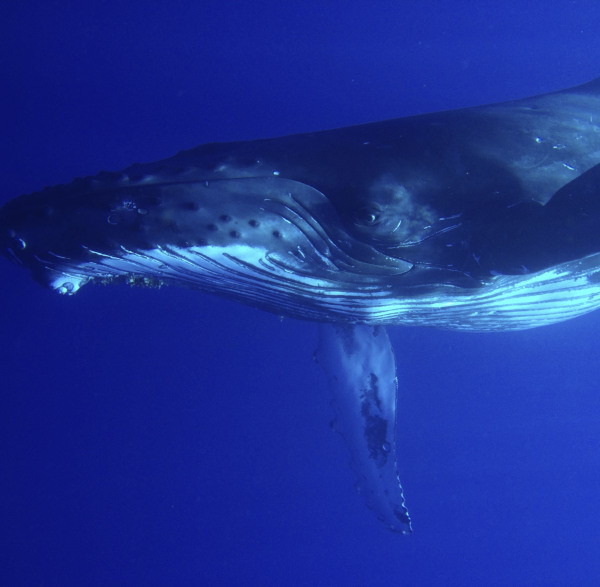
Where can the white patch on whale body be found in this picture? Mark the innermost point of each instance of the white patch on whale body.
(255, 276)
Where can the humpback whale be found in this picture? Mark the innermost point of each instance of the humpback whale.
(481, 219)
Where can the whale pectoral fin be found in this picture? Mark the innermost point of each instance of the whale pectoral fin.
(359, 362)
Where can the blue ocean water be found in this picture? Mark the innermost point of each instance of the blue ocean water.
(165, 437)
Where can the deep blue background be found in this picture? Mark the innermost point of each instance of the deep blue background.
(169, 438)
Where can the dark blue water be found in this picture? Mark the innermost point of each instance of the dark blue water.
(169, 438)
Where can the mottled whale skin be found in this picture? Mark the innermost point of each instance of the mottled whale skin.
(485, 218)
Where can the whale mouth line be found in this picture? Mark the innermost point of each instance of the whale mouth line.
(329, 245)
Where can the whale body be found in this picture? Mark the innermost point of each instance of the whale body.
(483, 219)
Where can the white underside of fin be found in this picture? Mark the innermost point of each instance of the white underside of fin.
(360, 365)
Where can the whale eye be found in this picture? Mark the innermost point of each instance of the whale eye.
(367, 215)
